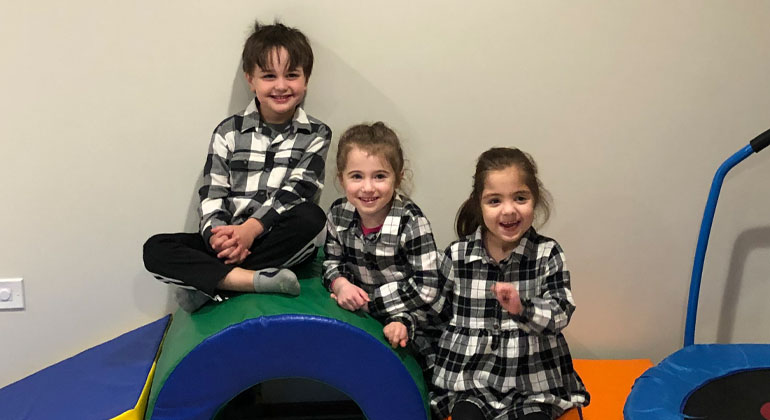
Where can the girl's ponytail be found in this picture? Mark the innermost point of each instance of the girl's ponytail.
(468, 218)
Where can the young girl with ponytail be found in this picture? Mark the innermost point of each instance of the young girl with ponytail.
(507, 289)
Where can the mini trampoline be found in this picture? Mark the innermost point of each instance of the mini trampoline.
(707, 381)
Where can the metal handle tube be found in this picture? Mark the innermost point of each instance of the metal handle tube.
(703, 238)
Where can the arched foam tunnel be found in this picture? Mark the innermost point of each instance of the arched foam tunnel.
(211, 356)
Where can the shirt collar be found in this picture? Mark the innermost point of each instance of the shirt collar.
(476, 250)
(392, 221)
(253, 122)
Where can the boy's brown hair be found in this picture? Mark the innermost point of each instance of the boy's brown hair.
(266, 38)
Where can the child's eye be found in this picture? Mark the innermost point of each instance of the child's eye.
(381, 176)
(493, 201)
(293, 75)
(355, 176)
(521, 198)
(268, 76)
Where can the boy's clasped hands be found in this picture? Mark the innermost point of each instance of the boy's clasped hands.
(232, 242)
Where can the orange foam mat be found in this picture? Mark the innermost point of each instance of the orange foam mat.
(609, 383)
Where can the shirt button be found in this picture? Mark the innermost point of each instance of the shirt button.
(496, 326)
(250, 211)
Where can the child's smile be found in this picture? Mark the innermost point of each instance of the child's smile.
(509, 225)
(368, 200)
(281, 98)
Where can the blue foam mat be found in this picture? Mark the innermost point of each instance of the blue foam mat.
(99, 383)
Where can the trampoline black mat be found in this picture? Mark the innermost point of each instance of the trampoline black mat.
(738, 396)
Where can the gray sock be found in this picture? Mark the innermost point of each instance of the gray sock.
(274, 280)
(190, 299)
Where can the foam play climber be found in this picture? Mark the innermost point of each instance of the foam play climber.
(212, 355)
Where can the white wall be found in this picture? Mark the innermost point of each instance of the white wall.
(628, 107)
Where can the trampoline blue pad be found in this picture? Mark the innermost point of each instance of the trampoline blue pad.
(662, 391)
(99, 383)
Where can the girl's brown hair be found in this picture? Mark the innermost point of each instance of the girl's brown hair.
(469, 217)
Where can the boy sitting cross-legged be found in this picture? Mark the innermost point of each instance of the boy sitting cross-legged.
(263, 174)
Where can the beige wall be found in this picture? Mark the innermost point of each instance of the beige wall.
(628, 107)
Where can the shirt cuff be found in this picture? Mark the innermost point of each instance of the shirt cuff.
(527, 311)
(331, 285)
(268, 218)
(334, 276)
(377, 306)
(206, 234)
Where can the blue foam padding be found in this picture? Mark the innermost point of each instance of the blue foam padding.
(661, 392)
(99, 383)
(286, 346)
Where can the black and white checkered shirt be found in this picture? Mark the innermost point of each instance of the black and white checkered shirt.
(254, 171)
(396, 266)
(508, 365)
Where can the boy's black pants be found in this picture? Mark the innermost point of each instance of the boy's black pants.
(185, 259)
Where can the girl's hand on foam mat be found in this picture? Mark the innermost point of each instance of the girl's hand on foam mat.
(396, 334)
(348, 295)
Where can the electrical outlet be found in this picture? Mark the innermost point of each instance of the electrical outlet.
(12, 293)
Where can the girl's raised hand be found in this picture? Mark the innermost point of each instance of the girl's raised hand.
(396, 334)
(508, 297)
